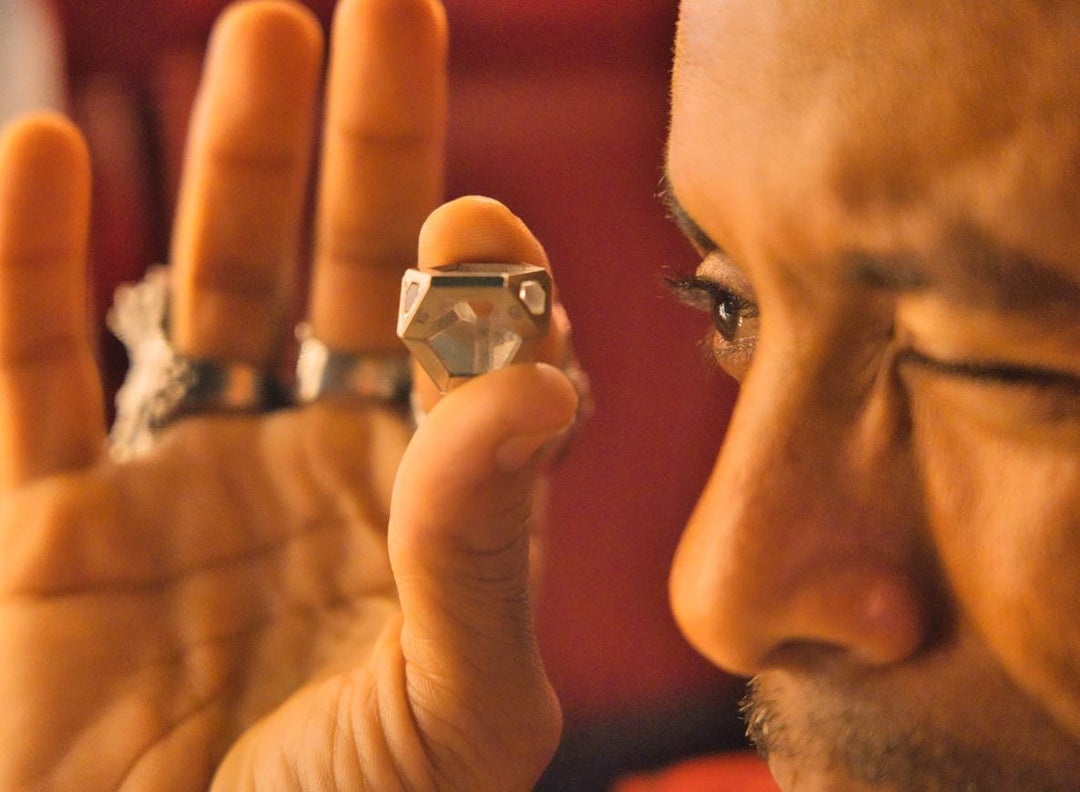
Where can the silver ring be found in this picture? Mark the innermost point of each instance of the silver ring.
(208, 386)
(462, 320)
(321, 371)
(162, 385)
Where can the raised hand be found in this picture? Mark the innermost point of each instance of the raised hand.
(288, 601)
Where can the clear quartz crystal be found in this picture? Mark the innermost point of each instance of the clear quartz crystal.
(462, 320)
(473, 338)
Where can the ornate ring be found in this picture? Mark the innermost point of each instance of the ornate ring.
(162, 385)
(462, 320)
(322, 371)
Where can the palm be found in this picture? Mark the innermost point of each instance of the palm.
(154, 610)
(242, 607)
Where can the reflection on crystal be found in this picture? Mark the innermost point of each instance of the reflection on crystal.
(468, 341)
(410, 296)
(533, 295)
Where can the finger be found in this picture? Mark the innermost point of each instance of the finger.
(382, 169)
(459, 547)
(240, 209)
(51, 416)
(480, 230)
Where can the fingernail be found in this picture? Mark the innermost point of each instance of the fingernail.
(518, 452)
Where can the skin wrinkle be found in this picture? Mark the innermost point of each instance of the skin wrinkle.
(181, 654)
(155, 742)
(172, 578)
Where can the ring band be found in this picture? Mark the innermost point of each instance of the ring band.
(321, 371)
(221, 386)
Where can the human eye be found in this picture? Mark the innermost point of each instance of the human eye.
(734, 318)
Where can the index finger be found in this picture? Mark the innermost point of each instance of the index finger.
(382, 166)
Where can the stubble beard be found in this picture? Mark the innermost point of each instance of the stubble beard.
(854, 741)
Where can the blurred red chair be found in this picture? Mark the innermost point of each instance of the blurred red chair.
(737, 772)
(558, 107)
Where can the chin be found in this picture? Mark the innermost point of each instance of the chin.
(792, 776)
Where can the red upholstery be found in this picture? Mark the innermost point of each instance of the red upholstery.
(559, 109)
(736, 773)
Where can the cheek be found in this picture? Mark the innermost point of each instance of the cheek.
(1005, 515)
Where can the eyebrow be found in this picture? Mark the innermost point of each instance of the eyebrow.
(986, 272)
(677, 213)
(983, 272)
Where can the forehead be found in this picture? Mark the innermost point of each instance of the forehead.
(881, 122)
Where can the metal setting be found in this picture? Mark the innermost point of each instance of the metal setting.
(201, 386)
(322, 371)
(462, 320)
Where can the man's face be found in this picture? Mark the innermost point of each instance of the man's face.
(888, 197)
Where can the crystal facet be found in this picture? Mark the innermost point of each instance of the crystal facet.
(533, 296)
(465, 319)
(412, 293)
(472, 343)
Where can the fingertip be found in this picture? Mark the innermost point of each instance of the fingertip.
(274, 19)
(540, 448)
(477, 229)
(489, 426)
(270, 36)
(413, 20)
(393, 53)
(42, 144)
(44, 187)
(259, 86)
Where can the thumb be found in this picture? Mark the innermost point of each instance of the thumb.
(459, 547)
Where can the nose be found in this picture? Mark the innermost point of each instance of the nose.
(808, 535)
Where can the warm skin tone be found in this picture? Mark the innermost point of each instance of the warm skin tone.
(890, 540)
(233, 611)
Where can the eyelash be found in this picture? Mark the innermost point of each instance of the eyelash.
(730, 310)
(727, 309)
(1005, 375)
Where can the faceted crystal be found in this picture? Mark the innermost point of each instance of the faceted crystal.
(466, 319)
(469, 342)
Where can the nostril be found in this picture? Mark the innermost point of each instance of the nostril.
(874, 611)
(870, 612)
(800, 653)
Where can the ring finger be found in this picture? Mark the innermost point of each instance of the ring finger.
(237, 232)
